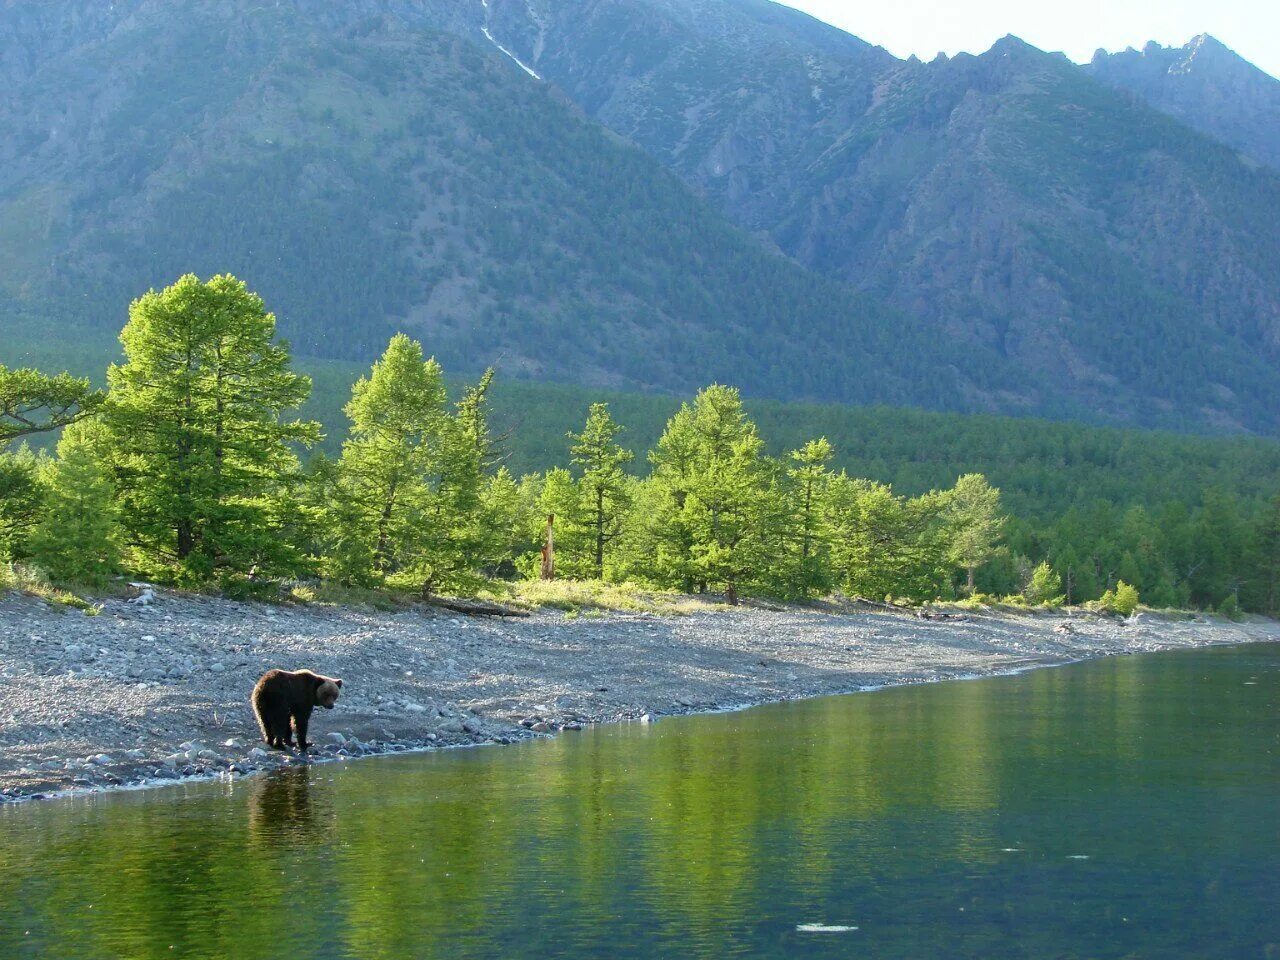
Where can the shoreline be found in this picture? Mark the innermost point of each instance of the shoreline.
(143, 697)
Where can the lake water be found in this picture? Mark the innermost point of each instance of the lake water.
(1122, 808)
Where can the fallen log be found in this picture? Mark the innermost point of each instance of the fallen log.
(476, 608)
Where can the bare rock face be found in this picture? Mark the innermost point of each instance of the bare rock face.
(1207, 86)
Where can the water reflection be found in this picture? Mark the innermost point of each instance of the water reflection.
(282, 812)
(941, 821)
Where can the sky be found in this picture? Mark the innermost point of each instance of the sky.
(1076, 27)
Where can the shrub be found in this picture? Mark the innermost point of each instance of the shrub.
(1230, 607)
(1123, 600)
(1044, 588)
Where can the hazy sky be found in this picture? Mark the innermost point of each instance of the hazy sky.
(1076, 27)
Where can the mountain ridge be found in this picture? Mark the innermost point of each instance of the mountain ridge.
(1046, 244)
(1208, 86)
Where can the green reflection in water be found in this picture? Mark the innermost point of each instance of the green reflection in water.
(941, 820)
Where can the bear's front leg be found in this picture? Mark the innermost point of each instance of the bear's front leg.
(300, 725)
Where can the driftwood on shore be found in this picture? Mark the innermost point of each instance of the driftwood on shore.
(922, 613)
(475, 608)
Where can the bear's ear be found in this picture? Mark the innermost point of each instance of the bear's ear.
(339, 683)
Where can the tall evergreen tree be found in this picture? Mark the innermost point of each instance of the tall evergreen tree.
(660, 545)
(21, 501)
(391, 464)
(726, 485)
(1268, 563)
(976, 523)
(808, 504)
(78, 538)
(603, 484)
(197, 428)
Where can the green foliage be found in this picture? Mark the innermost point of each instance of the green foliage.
(976, 523)
(1230, 608)
(714, 510)
(805, 495)
(32, 402)
(391, 467)
(1044, 588)
(1123, 600)
(887, 545)
(710, 487)
(196, 433)
(411, 501)
(77, 541)
(603, 486)
(21, 501)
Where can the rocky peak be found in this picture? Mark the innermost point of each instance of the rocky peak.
(1206, 85)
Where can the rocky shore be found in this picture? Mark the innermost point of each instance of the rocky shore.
(151, 693)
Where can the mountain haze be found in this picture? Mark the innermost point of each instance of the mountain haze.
(1207, 86)
(645, 194)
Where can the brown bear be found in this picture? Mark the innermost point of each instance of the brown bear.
(283, 695)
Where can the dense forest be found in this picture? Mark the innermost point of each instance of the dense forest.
(195, 467)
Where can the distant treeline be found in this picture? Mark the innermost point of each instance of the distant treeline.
(191, 469)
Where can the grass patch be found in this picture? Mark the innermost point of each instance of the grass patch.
(33, 583)
(593, 598)
(326, 593)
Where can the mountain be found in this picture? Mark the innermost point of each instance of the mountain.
(1010, 199)
(645, 194)
(1207, 86)
(366, 170)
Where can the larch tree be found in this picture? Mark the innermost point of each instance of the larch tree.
(603, 485)
(808, 497)
(391, 464)
(78, 538)
(33, 402)
(197, 429)
(659, 542)
(725, 495)
(976, 524)
(21, 501)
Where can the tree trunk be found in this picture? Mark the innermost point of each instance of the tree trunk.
(600, 534)
(186, 539)
(731, 594)
(970, 585)
(549, 551)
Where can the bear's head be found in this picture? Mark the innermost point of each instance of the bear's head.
(327, 689)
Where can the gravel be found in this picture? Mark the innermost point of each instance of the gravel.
(152, 693)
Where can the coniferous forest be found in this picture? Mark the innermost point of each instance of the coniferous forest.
(194, 467)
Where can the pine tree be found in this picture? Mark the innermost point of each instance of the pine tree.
(78, 539)
(603, 485)
(1044, 586)
(196, 429)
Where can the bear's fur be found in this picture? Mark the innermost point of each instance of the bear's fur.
(282, 696)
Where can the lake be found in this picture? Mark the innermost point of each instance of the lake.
(1127, 807)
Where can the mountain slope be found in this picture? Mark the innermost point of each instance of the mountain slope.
(1010, 199)
(1205, 85)
(366, 172)
(1046, 244)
